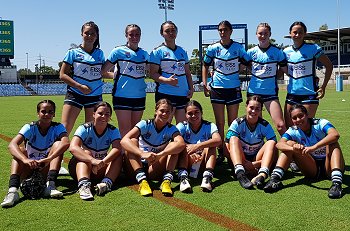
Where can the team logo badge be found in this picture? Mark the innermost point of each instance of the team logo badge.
(127, 54)
(218, 52)
(89, 140)
(166, 54)
(84, 71)
(147, 135)
(80, 56)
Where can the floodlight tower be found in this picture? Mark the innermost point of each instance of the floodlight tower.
(166, 5)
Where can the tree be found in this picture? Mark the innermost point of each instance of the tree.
(23, 71)
(195, 66)
(323, 27)
(48, 70)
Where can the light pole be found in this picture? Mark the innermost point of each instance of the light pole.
(27, 62)
(166, 5)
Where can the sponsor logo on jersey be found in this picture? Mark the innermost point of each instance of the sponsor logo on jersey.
(95, 71)
(84, 71)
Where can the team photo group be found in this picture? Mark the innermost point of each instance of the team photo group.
(154, 149)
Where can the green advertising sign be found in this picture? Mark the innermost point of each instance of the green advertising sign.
(6, 39)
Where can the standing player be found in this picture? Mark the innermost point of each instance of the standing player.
(245, 142)
(129, 92)
(201, 139)
(169, 67)
(81, 71)
(265, 60)
(313, 144)
(303, 83)
(44, 142)
(224, 89)
(152, 149)
(92, 158)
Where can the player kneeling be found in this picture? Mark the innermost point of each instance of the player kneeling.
(44, 142)
(92, 160)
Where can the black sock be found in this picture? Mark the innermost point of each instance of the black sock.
(14, 181)
(52, 175)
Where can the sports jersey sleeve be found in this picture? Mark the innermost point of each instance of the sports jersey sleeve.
(288, 135)
(113, 56)
(60, 130)
(269, 133)
(25, 131)
(325, 125)
(209, 55)
(69, 57)
(232, 131)
(115, 135)
(173, 130)
(318, 52)
(243, 57)
(213, 128)
(155, 58)
(182, 129)
(142, 126)
(81, 132)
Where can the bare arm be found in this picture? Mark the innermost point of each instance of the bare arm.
(154, 73)
(63, 145)
(106, 70)
(18, 154)
(114, 152)
(331, 137)
(206, 88)
(327, 76)
(174, 147)
(189, 80)
(127, 143)
(64, 76)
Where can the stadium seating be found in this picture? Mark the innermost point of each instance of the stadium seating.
(12, 89)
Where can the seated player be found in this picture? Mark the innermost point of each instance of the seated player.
(152, 149)
(44, 142)
(313, 145)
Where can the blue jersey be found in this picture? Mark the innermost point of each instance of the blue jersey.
(226, 61)
(38, 145)
(204, 133)
(251, 139)
(171, 62)
(302, 68)
(319, 130)
(130, 70)
(153, 140)
(97, 144)
(86, 69)
(265, 62)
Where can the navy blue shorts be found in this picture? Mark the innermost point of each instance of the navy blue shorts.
(265, 98)
(132, 104)
(178, 102)
(80, 101)
(227, 96)
(301, 99)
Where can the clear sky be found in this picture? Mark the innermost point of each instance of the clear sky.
(47, 28)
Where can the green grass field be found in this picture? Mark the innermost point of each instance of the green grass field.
(301, 205)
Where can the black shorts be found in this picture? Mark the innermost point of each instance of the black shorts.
(265, 98)
(80, 101)
(178, 102)
(227, 96)
(301, 99)
(321, 168)
(132, 104)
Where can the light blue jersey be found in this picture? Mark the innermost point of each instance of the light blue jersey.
(38, 145)
(86, 69)
(251, 140)
(171, 62)
(97, 144)
(302, 68)
(205, 132)
(226, 61)
(265, 62)
(153, 140)
(319, 130)
(130, 71)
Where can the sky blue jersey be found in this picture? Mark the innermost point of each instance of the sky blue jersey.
(205, 132)
(38, 145)
(86, 69)
(153, 140)
(130, 71)
(265, 63)
(226, 61)
(251, 139)
(171, 62)
(302, 68)
(319, 130)
(97, 144)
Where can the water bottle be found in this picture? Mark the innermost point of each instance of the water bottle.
(197, 165)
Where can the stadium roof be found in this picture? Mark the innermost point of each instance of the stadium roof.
(328, 35)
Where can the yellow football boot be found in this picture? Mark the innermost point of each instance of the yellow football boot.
(166, 188)
(144, 188)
